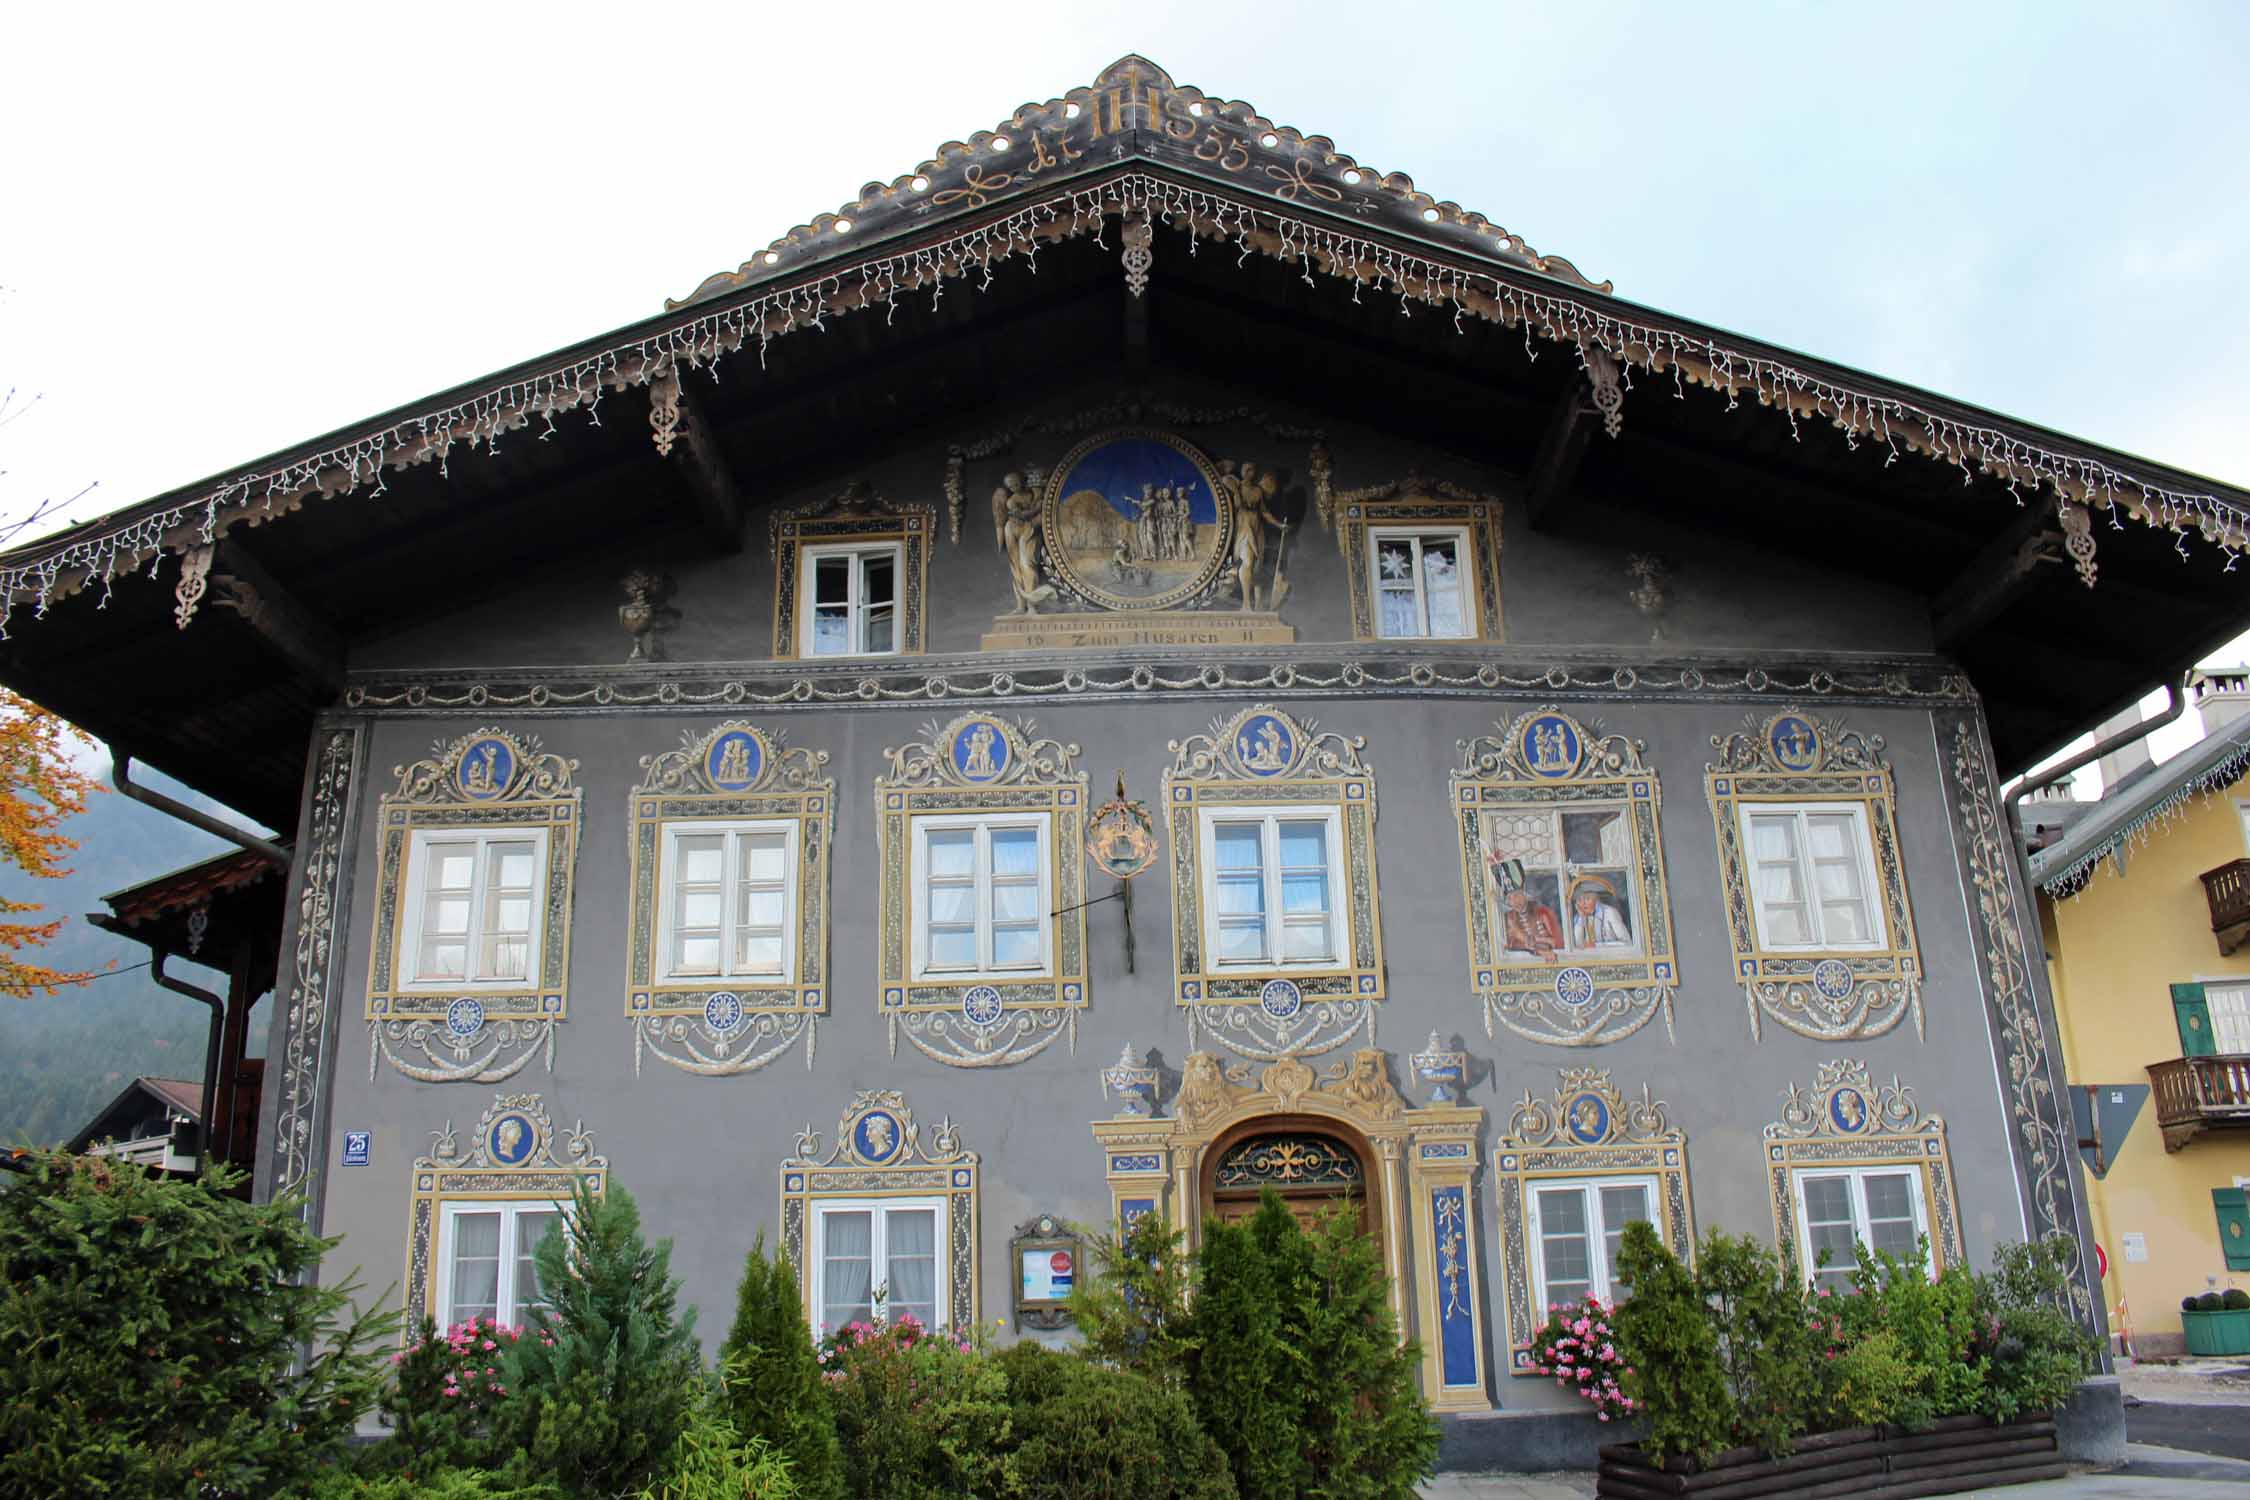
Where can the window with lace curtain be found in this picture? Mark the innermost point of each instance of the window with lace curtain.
(878, 1251)
(485, 1259)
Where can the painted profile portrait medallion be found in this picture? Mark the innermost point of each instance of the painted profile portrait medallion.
(512, 1139)
(1847, 1111)
(876, 1136)
(1793, 742)
(733, 761)
(1265, 745)
(1551, 746)
(979, 750)
(486, 769)
(1136, 519)
(1586, 1118)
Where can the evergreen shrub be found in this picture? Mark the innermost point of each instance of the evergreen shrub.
(1084, 1431)
(2234, 1299)
(2208, 1302)
(920, 1415)
(1768, 1346)
(1132, 1310)
(441, 1395)
(2034, 1353)
(772, 1376)
(1673, 1372)
(439, 1484)
(712, 1460)
(1245, 1378)
(149, 1337)
(1935, 1323)
(604, 1379)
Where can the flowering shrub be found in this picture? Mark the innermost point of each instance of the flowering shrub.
(1579, 1349)
(444, 1388)
(922, 1414)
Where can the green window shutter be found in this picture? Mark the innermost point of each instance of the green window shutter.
(2234, 1226)
(2194, 1020)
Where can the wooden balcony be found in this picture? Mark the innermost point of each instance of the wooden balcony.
(2195, 1094)
(2227, 889)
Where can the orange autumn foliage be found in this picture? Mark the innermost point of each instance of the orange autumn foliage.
(40, 786)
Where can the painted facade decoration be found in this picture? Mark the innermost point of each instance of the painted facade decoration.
(479, 845)
(990, 1008)
(514, 1155)
(1562, 867)
(728, 989)
(1427, 549)
(1847, 1121)
(1229, 1131)
(855, 517)
(879, 1155)
(306, 1008)
(1264, 763)
(1586, 1132)
(1861, 974)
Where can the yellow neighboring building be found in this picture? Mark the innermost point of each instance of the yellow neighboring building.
(2145, 904)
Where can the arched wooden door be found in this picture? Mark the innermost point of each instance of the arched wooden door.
(1311, 1166)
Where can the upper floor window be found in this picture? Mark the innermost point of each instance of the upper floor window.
(980, 895)
(729, 900)
(1844, 1208)
(1812, 875)
(851, 600)
(472, 907)
(1578, 1226)
(1271, 885)
(485, 1260)
(1420, 587)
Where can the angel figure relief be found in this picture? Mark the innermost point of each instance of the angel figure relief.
(1252, 494)
(1015, 528)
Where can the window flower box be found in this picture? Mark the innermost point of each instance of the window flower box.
(2225, 1331)
(1950, 1455)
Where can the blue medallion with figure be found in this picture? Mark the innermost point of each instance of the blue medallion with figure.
(511, 1140)
(1847, 1111)
(1550, 746)
(733, 761)
(1794, 742)
(1586, 1118)
(487, 766)
(1265, 745)
(876, 1136)
(980, 750)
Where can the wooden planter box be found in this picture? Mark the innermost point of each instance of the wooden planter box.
(2226, 1331)
(1866, 1463)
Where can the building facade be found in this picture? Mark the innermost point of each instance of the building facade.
(1369, 754)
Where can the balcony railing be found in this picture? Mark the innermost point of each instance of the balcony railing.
(2195, 1094)
(2227, 889)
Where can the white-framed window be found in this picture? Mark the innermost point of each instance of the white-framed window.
(1576, 1226)
(1272, 888)
(2229, 1008)
(861, 1246)
(473, 905)
(485, 1267)
(980, 895)
(850, 600)
(1841, 1208)
(1812, 875)
(728, 901)
(1419, 582)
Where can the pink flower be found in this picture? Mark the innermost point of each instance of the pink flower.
(1601, 1416)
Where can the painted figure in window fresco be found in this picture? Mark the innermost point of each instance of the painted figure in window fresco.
(1267, 754)
(978, 762)
(1015, 526)
(1252, 494)
(1527, 926)
(1595, 921)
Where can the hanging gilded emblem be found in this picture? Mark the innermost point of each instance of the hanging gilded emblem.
(1121, 837)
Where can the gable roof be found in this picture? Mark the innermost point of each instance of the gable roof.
(176, 1096)
(2132, 810)
(1271, 239)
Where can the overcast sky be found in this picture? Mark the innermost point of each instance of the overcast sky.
(224, 230)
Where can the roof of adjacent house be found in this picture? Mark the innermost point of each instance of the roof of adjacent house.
(2132, 809)
(1241, 249)
(177, 1096)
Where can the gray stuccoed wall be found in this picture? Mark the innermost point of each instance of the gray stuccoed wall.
(702, 1155)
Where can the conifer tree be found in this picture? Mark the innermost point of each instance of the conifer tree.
(1246, 1379)
(1365, 1432)
(603, 1379)
(1132, 1313)
(774, 1390)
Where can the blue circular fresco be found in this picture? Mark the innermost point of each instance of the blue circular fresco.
(1586, 1118)
(487, 766)
(464, 1018)
(1832, 977)
(733, 761)
(876, 1136)
(1265, 745)
(981, 1005)
(979, 750)
(1794, 742)
(1847, 1110)
(1550, 746)
(723, 1012)
(1281, 999)
(511, 1140)
(1574, 987)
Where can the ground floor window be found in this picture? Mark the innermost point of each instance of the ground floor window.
(1577, 1226)
(870, 1250)
(1842, 1209)
(485, 1259)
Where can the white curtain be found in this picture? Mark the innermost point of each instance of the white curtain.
(847, 1247)
(913, 1265)
(476, 1267)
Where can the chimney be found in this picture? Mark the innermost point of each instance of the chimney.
(2124, 762)
(2222, 697)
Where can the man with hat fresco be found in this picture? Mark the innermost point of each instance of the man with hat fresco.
(1527, 926)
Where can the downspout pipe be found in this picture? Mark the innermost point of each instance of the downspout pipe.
(120, 772)
(210, 1051)
(2175, 705)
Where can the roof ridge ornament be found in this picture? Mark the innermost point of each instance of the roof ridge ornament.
(1133, 109)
